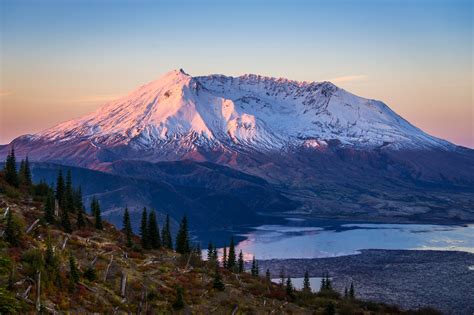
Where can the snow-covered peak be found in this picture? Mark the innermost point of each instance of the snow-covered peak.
(254, 111)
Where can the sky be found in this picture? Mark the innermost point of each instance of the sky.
(62, 59)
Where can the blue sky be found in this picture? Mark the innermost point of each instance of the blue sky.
(414, 55)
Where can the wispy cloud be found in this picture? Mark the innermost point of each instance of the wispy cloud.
(95, 98)
(348, 78)
(5, 93)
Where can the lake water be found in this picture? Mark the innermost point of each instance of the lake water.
(297, 238)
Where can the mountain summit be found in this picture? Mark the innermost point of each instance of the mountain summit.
(221, 146)
(231, 113)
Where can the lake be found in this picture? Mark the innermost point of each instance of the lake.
(299, 238)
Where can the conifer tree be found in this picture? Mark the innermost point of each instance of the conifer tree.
(217, 282)
(49, 208)
(241, 262)
(65, 223)
(306, 283)
(80, 218)
(60, 188)
(97, 215)
(328, 282)
(11, 175)
(24, 173)
(289, 287)
(12, 230)
(153, 231)
(167, 241)
(182, 238)
(323, 283)
(127, 227)
(144, 230)
(215, 256)
(210, 249)
(254, 269)
(268, 277)
(73, 272)
(77, 197)
(352, 291)
(346, 293)
(68, 193)
(224, 257)
(231, 260)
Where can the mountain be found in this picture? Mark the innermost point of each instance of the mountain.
(320, 147)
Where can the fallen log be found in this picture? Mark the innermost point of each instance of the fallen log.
(28, 230)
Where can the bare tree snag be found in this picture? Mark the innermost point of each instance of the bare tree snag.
(32, 226)
(123, 284)
(108, 267)
(38, 291)
(64, 242)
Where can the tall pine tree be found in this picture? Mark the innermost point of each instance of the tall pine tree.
(127, 228)
(167, 240)
(153, 231)
(12, 230)
(60, 188)
(49, 208)
(182, 238)
(95, 207)
(11, 175)
(68, 193)
(306, 283)
(145, 239)
(241, 262)
(231, 260)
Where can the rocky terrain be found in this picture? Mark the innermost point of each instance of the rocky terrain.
(411, 278)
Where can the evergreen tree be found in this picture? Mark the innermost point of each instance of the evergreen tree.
(77, 198)
(127, 227)
(224, 257)
(231, 260)
(210, 249)
(65, 223)
(80, 218)
(217, 282)
(268, 277)
(182, 238)
(60, 188)
(11, 176)
(179, 302)
(352, 291)
(346, 293)
(323, 283)
(25, 172)
(215, 257)
(240, 268)
(153, 231)
(68, 198)
(97, 215)
(144, 230)
(328, 282)
(12, 230)
(254, 269)
(167, 241)
(49, 208)
(289, 288)
(306, 283)
(73, 273)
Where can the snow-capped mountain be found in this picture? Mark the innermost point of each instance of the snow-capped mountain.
(216, 145)
(249, 111)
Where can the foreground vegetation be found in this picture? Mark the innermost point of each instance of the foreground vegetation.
(57, 257)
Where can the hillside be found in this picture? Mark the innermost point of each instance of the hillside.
(97, 270)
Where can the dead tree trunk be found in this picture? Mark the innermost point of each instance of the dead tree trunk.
(56, 208)
(123, 284)
(38, 291)
(108, 267)
(32, 226)
(64, 242)
(6, 212)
